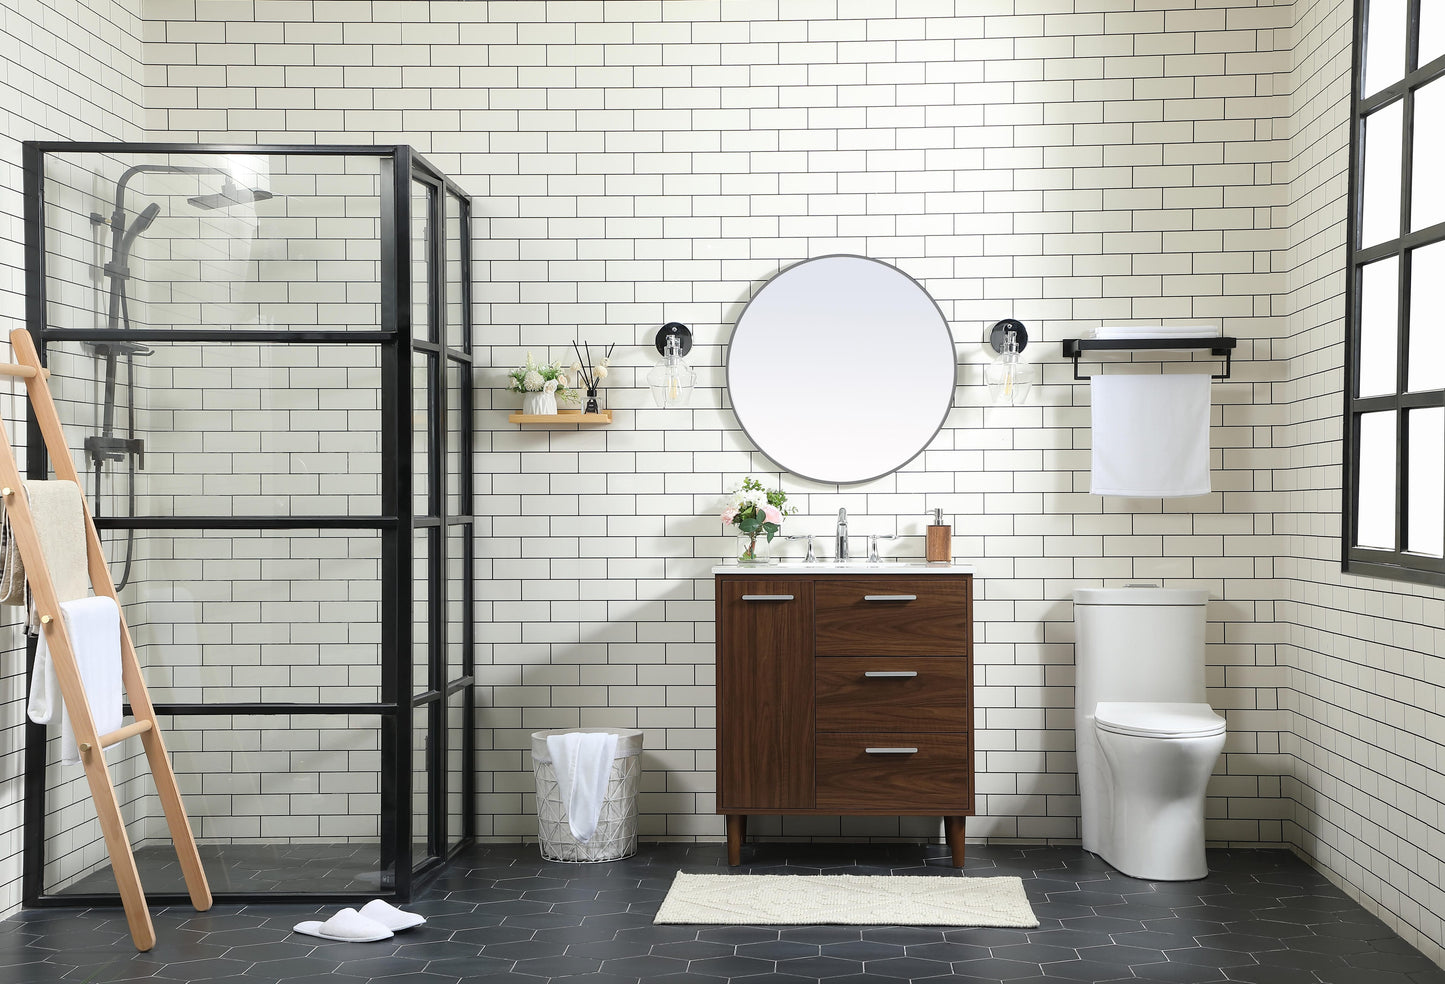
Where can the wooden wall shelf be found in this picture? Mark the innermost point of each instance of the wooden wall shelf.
(605, 417)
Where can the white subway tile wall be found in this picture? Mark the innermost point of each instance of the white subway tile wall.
(636, 163)
(1066, 162)
(72, 71)
(1364, 656)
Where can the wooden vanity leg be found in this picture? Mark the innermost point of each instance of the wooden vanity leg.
(953, 832)
(737, 832)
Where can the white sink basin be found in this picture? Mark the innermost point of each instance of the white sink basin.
(799, 566)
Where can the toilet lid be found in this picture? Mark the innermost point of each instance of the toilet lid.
(1149, 720)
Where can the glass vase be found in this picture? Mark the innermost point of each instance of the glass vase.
(753, 549)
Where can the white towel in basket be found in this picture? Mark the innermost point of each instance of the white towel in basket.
(583, 763)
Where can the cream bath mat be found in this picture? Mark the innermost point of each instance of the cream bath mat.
(855, 900)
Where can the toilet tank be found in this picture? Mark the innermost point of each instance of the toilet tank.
(1139, 643)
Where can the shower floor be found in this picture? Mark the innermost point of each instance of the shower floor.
(309, 868)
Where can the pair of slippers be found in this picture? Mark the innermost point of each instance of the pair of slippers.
(376, 921)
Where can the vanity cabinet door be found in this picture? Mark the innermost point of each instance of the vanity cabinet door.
(765, 694)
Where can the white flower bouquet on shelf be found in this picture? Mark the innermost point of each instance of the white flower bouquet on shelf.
(542, 386)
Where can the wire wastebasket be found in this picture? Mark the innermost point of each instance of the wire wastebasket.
(616, 835)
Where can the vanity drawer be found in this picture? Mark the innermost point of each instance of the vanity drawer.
(894, 771)
(892, 616)
(891, 693)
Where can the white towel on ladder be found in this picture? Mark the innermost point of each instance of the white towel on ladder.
(1150, 434)
(584, 764)
(93, 625)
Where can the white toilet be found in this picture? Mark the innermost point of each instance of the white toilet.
(1147, 741)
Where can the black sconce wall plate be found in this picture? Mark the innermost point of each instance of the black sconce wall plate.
(998, 335)
(678, 330)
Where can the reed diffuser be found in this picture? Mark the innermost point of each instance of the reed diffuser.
(588, 376)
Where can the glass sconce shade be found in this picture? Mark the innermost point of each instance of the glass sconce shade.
(1008, 378)
(672, 380)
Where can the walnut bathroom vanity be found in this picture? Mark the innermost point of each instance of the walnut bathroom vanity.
(844, 690)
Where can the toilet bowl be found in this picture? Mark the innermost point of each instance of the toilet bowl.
(1158, 759)
(1146, 740)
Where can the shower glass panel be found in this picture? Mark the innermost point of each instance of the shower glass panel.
(262, 358)
(273, 799)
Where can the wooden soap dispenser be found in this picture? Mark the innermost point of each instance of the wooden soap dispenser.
(938, 548)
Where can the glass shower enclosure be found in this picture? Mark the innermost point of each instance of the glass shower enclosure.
(262, 357)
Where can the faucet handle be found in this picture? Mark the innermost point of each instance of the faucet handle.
(873, 539)
(812, 557)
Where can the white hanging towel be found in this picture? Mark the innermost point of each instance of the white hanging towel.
(583, 763)
(1150, 434)
(93, 625)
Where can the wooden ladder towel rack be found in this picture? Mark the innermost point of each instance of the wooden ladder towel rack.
(27, 367)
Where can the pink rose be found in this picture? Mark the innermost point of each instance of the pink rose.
(771, 514)
(729, 514)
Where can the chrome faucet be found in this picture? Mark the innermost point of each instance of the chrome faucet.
(841, 554)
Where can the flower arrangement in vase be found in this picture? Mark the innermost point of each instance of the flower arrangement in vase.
(588, 376)
(541, 386)
(755, 511)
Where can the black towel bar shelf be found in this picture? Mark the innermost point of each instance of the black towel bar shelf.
(1216, 344)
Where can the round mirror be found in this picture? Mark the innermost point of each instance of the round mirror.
(841, 369)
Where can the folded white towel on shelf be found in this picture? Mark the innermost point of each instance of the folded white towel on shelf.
(93, 625)
(1150, 434)
(584, 763)
(1157, 331)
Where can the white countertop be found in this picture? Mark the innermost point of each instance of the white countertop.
(851, 567)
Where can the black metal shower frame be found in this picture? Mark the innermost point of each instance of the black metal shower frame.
(397, 339)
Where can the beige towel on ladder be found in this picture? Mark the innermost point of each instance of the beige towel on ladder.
(59, 514)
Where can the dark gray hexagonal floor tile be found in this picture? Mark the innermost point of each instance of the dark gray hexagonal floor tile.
(565, 965)
(949, 952)
(908, 968)
(777, 949)
(820, 935)
(903, 935)
(736, 935)
(692, 949)
(1165, 972)
(644, 967)
(729, 967)
(1204, 956)
(995, 968)
(492, 935)
(818, 968)
(614, 949)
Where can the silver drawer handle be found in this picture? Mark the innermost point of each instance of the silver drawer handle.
(890, 597)
(891, 751)
(890, 674)
(767, 597)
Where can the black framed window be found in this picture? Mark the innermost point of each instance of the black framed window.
(1394, 480)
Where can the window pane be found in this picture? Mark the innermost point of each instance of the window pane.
(421, 326)
(1427, 196)
(1379, 326)
(1432, 31)
(1380, 216)
(1376, 524)
(1384, 44)
(1427, 334)
(1427, 481)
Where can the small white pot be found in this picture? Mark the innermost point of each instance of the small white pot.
(543, 404)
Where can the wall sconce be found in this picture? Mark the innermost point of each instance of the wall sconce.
(671, 381)
(1009, 379)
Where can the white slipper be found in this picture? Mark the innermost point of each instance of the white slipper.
(347, 926)
(391, 917)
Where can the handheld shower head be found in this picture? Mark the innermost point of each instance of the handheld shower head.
(230, 194)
